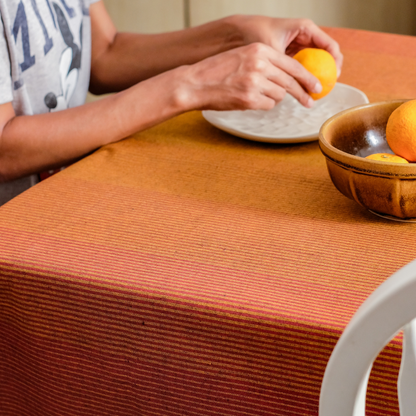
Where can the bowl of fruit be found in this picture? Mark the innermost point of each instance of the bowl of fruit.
(370, 152)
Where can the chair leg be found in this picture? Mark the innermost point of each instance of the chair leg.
(406, 385)
(359, 408)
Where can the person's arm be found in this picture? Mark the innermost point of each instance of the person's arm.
(30, 144)
(120, 60)
(250, 77)
(255, 76)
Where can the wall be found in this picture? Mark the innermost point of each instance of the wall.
(395, 16)
(149, 16)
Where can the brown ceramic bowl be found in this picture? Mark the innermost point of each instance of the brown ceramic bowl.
(385, 188)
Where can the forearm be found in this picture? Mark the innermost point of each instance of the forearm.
(131, 58)
(30, 144)
(255, 76)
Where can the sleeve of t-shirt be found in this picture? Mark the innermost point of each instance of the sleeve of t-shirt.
(6, 92)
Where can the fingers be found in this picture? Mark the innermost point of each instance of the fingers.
(279, 83)
(275, 89)
(293, 78)
(322, 40)
(276, 74)
(277, 93)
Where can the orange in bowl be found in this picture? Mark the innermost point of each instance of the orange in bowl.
(321, 64)
(386, 157)
(401, 131)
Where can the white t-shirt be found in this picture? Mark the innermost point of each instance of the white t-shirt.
(45, 55)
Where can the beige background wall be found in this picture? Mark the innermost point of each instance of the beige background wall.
(396, 16)
(149, 16)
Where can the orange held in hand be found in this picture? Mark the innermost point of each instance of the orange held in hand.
(321, 64)
(401, 131)
(387, 157)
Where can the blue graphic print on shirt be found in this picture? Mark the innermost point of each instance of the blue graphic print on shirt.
(72, 56)
(45, 51)
(21, 24)
(59, 12)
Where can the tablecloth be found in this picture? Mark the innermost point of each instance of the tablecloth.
(185, 271)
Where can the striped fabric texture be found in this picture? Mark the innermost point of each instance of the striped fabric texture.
(184, 271)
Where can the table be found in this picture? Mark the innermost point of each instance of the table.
(184, 271)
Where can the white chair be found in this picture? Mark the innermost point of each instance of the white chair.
(389, 309)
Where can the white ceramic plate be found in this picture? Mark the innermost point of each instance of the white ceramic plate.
(289, 121)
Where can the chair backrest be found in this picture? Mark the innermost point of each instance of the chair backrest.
(390, 308)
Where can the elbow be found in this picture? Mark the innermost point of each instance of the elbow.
(3, 176)
(6, 174)
(96, 87)
(99, 85)
(12, 169)
(8, 164)
(9, 167)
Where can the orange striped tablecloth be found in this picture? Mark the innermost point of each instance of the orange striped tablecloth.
(185, 271)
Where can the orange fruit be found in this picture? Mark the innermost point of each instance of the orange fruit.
(401, 131)
(321, 64)
(387, 157)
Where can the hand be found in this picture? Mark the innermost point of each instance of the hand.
(255, 76)
(286, 35)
